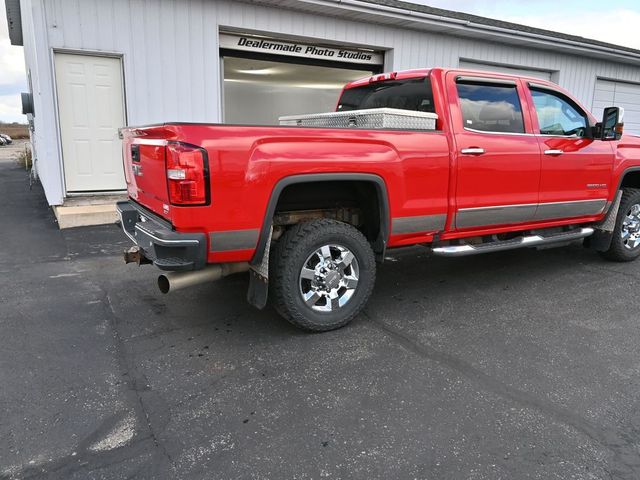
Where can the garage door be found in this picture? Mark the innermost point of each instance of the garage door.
(609, 93)
(545, 75)
(90, 109)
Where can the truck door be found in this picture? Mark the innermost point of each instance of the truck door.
(576, 170)
(497, 155)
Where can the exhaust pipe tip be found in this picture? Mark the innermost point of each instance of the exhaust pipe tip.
(164, 284)
(171, 281)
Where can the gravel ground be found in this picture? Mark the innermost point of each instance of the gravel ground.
(518, 365)
(8, 153)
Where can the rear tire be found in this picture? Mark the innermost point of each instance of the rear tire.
(322, 273)
(625, 243)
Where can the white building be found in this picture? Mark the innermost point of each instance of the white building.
(96, 65)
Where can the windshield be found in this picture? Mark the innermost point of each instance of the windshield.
(411, 94)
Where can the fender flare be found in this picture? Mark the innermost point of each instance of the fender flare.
(624, 174)
(380, 243)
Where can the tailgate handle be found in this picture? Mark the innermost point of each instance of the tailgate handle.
(135, 153)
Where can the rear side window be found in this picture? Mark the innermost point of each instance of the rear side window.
(411, 94)
(491, 107)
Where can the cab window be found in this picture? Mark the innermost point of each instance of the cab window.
(557, 115)
(490, 107)
(410, 94)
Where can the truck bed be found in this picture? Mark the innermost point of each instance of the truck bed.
(245, 163)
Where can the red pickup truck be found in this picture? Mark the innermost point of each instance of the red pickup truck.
(511, 162)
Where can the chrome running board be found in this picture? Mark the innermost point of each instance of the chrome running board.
(519, 242)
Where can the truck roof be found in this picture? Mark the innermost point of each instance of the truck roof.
(424, 72)
(402, 74)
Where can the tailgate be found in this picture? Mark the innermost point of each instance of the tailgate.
(162, 171)
(144, 161)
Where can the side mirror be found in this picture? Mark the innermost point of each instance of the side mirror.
(612, 126)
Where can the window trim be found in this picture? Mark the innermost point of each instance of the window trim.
(425, 80)
(466, 80)
(541, 86)
(548, 89)
(473, 130)
(491, 82)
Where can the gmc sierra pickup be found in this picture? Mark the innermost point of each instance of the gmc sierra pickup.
(508, 162)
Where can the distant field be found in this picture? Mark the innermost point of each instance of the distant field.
(14, 130)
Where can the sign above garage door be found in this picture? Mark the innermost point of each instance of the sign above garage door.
(508, 69)
(250, 43)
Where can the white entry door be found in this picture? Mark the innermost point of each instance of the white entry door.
(90, 109)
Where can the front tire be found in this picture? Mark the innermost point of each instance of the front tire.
(322, 273)
(625, 243)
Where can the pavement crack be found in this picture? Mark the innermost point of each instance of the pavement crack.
(624, 453)
(82, 459)
(150, 409)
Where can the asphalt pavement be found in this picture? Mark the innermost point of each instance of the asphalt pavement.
(517, 365)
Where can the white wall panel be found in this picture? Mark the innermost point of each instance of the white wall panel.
(619, 94)
(513, 70)
(171, 46)
(170, 51)
(39, 63)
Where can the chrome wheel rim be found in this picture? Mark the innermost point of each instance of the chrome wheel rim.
(329, 278)
(630, 231)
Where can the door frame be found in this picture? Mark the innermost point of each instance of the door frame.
(458, 127)
(58, 129)
(576, 207)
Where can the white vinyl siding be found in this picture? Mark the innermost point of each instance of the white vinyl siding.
(609, 93)
(172, 69)
(545, 75)
(171, 58)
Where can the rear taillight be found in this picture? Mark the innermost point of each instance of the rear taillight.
(187, 174)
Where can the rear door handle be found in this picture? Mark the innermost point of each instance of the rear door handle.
(472, 151)
(553, 152)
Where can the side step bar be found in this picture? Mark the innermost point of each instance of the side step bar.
(520, 242)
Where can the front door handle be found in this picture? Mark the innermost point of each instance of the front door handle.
(472, 151)
(553, 152)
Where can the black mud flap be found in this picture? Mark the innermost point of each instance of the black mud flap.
(258, 292)
(600, 241)
(259, 278)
